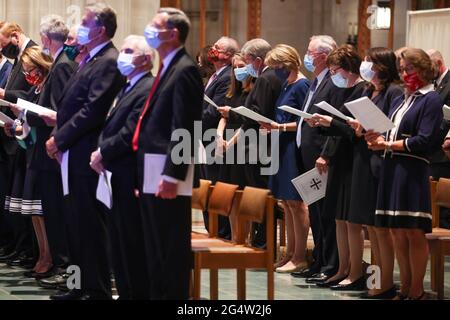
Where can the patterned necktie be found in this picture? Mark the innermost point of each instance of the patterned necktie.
(145, 110)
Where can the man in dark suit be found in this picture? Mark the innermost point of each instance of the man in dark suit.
(83, 108)
(221, 55)
(53, 35)
(173, 106)
(310, 144)
(116, 154)
(440, 163)
(5, 70)
(13, 42)
(262, 99)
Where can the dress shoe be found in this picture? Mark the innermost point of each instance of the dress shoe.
(358, 285)
(308, 273)
(387, 295)
(67, 296)
(44, 275)
(91, 297)
(292, 268)
(53, 282)
(318, 278)
(328, 284)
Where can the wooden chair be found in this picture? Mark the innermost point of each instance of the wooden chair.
(200, 197)
(249, 206)
(439, 239)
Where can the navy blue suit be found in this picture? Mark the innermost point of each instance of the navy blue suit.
(5, 71)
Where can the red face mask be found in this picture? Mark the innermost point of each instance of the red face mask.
(33, 79)
(413, 82)
(213, 55)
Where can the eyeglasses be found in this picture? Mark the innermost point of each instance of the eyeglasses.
(334, 71)
(28, 73)
(407, 69)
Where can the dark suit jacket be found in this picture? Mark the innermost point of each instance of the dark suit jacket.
(16, 87)
(312, 139)
(177, 104)
(117, 135)
(63, 68)
(4, 73)
(83, 107)
(444, 92)
(217, 91)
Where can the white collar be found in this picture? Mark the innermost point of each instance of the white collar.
(2, 62)
(136, 78)
(426, 89)
(97, 49)
(322, 75)
(218, 72)
(24, 46)
(58, 53)
(168, 59)
(439, 81)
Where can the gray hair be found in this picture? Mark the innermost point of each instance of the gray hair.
(258, 48)
(179, 20)
(140, 44)
(54, 28)
(326, 44)
(435, 55)
(230, 45)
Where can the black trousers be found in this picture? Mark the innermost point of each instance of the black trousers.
(167, 230)
(53, 207)
(314, 219)
(87, 235)
(127, 240)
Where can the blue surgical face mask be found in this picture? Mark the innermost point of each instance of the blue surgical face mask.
(366, 71)
(252, 71)
(152, 37)
(309, 63)
(125, 64)
(339, 81)
(83, 35)
(241, 74)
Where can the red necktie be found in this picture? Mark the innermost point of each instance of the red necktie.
(144, 112)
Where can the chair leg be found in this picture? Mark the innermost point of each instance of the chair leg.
(439, 277)
(282, 233)
(241, 285)
(197, 278)
(214, 284)
(433, 268)
(270, 284)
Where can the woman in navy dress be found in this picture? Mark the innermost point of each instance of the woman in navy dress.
(285, 60)
(404, 203)
(380, 69)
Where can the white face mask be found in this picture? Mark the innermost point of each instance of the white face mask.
(366, 71)
(83, 35)
(125, 64)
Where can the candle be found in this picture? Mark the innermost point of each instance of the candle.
(350, 29)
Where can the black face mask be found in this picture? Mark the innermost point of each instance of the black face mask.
(11, 51)
(71, 51)
(282, 74)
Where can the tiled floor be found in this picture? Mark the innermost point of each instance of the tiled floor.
(14, 287)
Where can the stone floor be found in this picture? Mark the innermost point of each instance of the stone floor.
(14, 287)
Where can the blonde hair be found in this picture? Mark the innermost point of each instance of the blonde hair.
(36, 57)
(285, 55)
(8, 28)
(235, 85)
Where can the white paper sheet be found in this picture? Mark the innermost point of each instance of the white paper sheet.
(243, 111)
(65, 172)
(104, 189)
(2, 124)
(296, 112)
(209, 100)
(311, 186)
(369, 115)
(4, 103)
(330, 109)
(446, 110)
(4, 118)
(35, 108)
(153, 168)
(202, 158)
